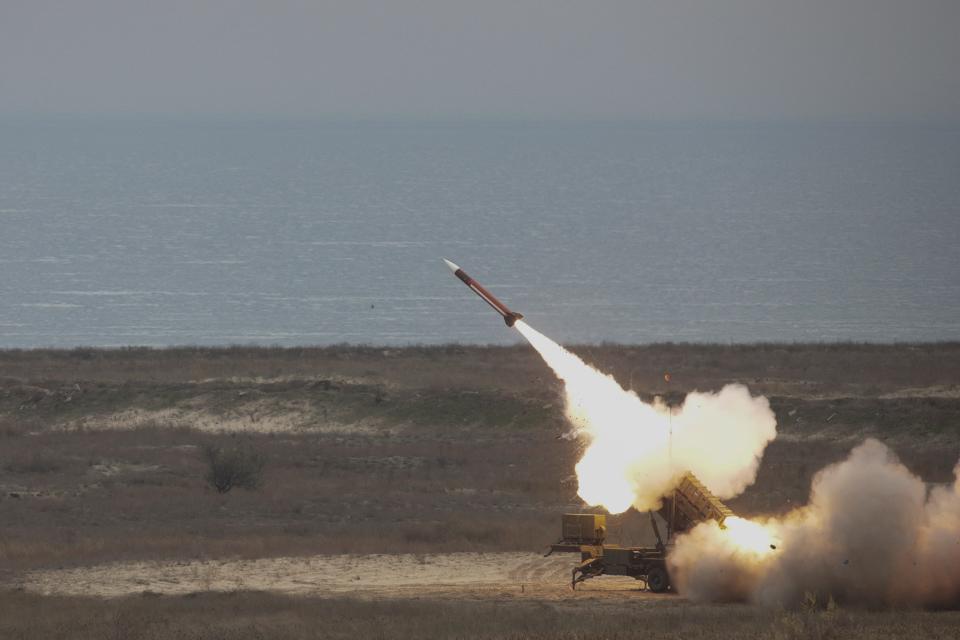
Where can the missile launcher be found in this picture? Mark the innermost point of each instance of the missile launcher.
(585, 533)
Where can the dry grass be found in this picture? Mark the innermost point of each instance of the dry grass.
(828, 366)
(419, 450)
(458, 450)
(257, 615)
(142, 494)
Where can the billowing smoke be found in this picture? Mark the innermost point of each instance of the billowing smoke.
(637, 451)
(870, 535)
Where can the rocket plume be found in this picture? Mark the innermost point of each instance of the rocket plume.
(870, 535)
(636, 452)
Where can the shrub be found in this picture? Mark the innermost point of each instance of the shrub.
(234, 467)
(37, 463)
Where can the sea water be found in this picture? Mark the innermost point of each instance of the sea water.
(169, 232)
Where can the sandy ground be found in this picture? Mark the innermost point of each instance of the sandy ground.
(454, 575)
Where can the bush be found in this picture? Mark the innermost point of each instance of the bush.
(37, 463)
(235, 467)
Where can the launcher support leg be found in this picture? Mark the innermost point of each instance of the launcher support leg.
(587, 569)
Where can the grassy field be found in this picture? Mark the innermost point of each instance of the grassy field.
(400, 450)
(258, 616)
(421, 450)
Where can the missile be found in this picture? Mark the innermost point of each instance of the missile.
(509, 317)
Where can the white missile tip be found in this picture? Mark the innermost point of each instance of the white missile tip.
(453, 267)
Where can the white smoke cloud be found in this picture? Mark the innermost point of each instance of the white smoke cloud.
(637, 451)
(870, 535)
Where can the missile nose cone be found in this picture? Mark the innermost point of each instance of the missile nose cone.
(453, 267)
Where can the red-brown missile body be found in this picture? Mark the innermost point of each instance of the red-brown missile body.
(509, 317)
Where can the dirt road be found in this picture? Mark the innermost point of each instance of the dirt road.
(454, 575)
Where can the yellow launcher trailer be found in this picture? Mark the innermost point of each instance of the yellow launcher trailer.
(584, 533)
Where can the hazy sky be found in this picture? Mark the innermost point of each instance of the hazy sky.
(836, 59)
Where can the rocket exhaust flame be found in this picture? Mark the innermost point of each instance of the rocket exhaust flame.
(636, 451)
(750, 537)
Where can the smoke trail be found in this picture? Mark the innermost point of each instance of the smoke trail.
(870, 535)
(637, 451)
